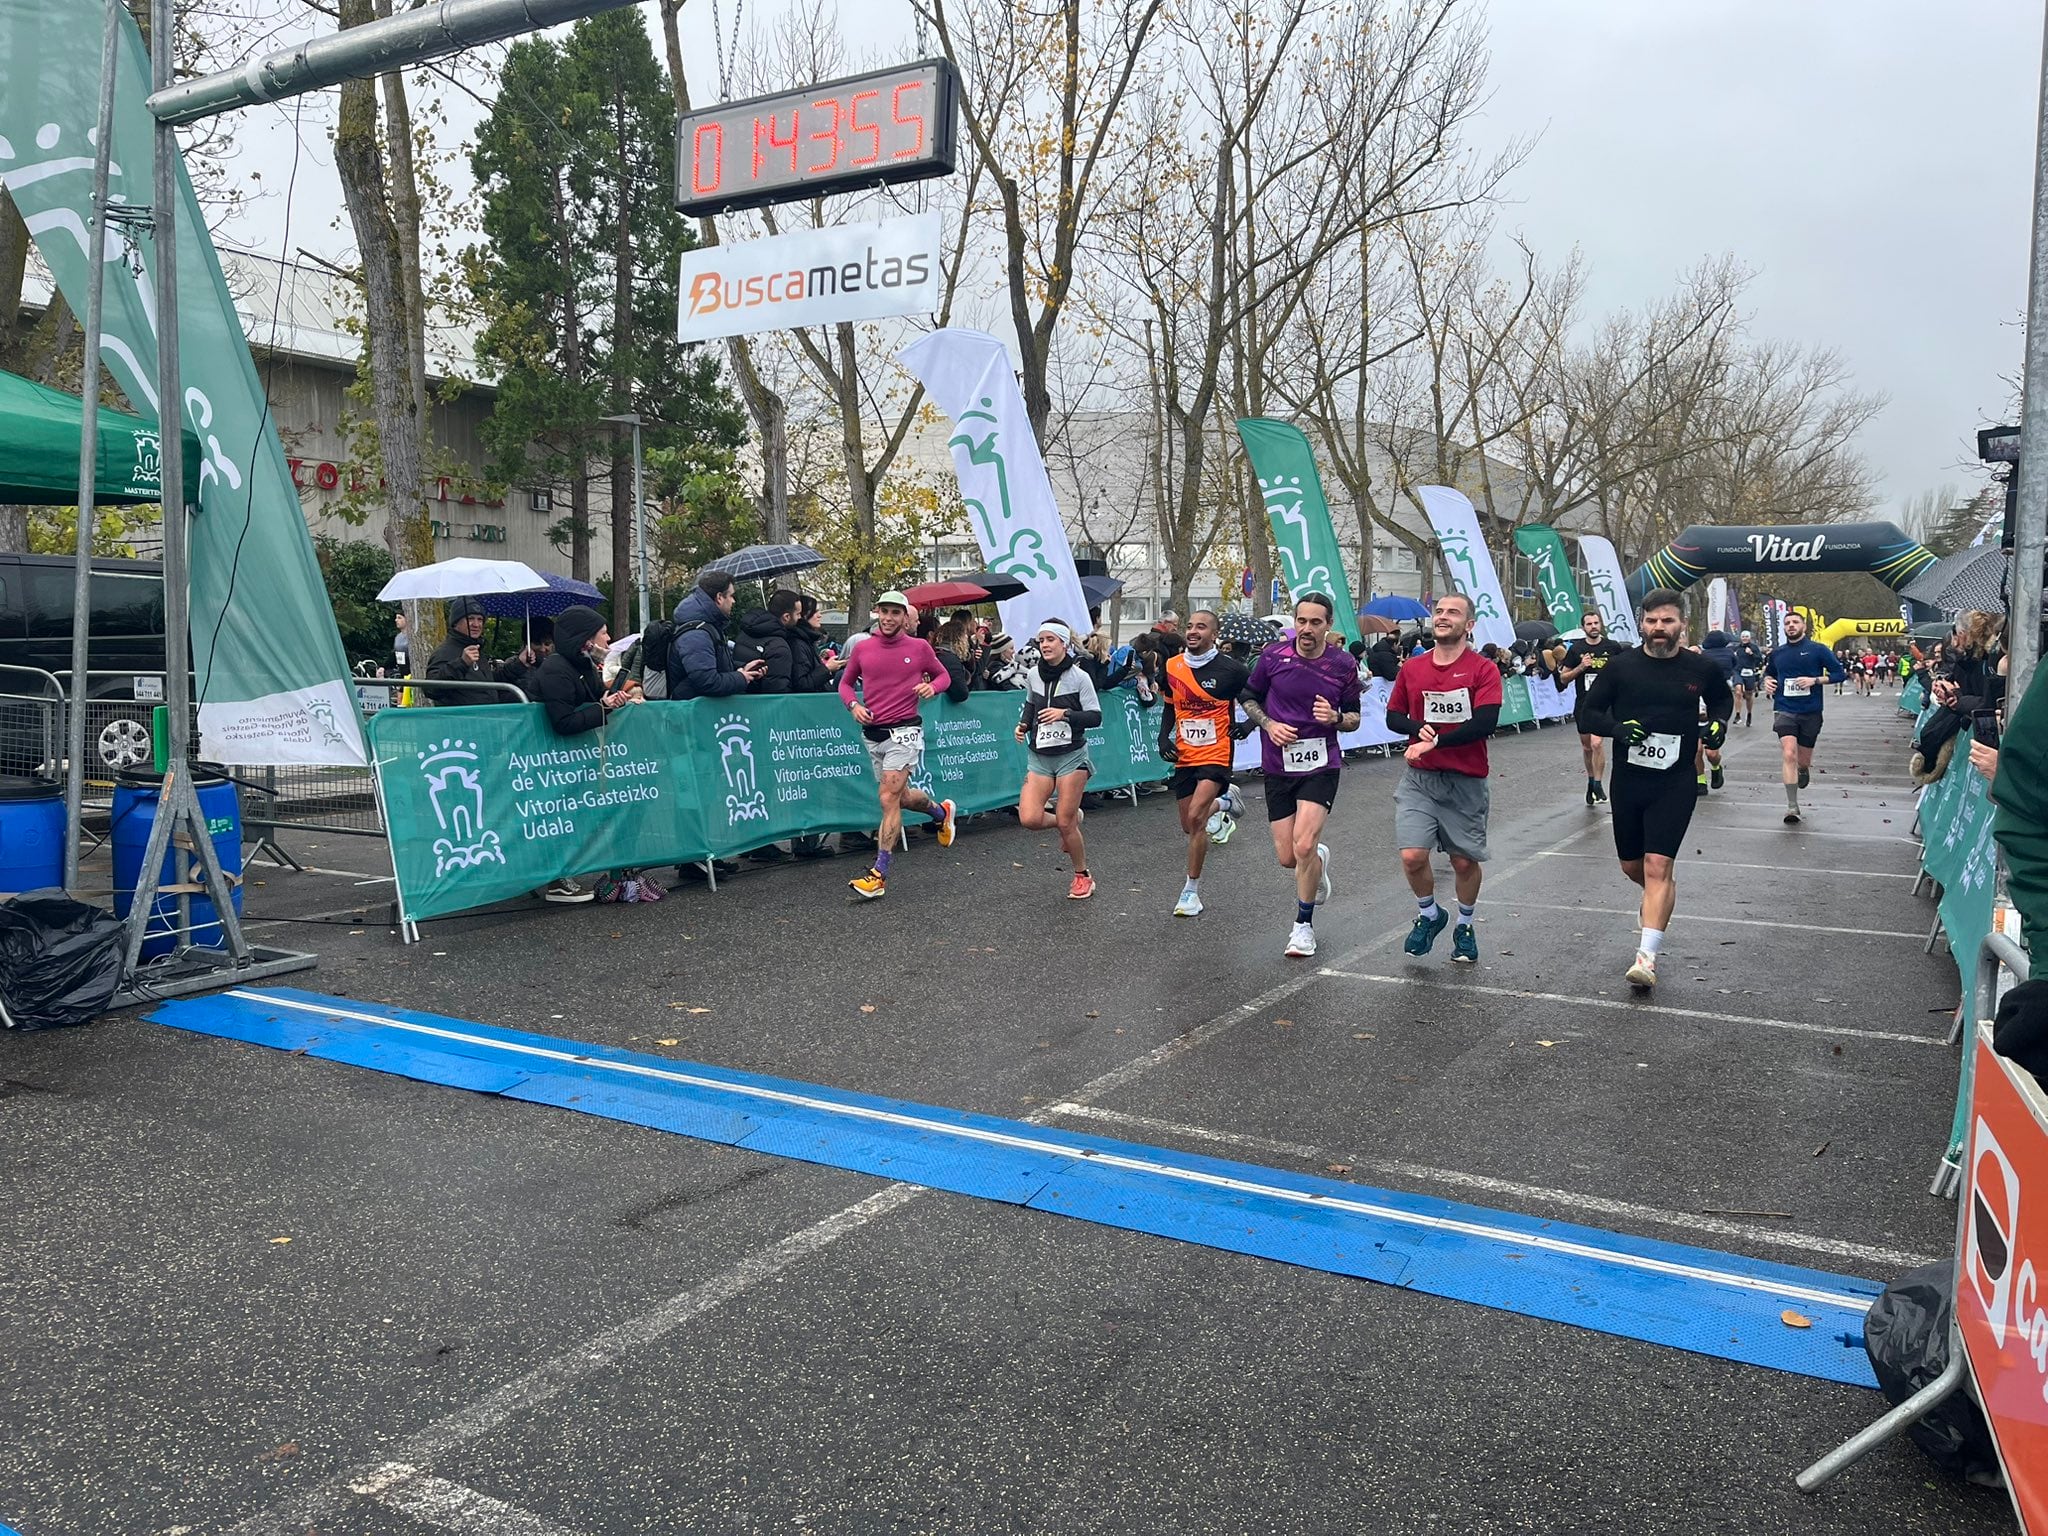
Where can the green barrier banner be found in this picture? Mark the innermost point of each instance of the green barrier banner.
(1552, 564)
(1914, 697)
(1960, 852)
(1516, 706)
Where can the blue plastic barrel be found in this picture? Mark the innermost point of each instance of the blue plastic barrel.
(135, 806)
(31, 835)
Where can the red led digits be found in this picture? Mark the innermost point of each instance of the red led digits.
(765, 127)
(715, 132)
(897, 116)
(872, 130)
(828, 134)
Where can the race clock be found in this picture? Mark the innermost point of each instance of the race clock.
(897, 124)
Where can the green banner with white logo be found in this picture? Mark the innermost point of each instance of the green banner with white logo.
(1310, 558)
(485, 803)
(1552, 563)
(270, 675)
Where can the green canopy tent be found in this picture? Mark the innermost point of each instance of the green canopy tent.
(39, 434)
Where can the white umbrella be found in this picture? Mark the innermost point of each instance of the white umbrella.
(461, 577)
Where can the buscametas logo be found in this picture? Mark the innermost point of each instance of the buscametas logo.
(874, 271)
(811, 277)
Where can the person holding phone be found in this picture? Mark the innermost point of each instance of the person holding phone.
(567, 686)
(1794, 676)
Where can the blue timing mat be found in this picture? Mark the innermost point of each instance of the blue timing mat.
(1697, 1299)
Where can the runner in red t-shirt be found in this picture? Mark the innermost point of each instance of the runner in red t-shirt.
(1447, 701)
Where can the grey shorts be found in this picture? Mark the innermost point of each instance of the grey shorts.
(898, 752)
(1434, 809)
(1057, 765)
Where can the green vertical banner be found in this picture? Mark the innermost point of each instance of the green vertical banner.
(270, 674)
(1553, 566)
(1310, 558)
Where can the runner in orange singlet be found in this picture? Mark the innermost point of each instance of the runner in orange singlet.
(1195, 735)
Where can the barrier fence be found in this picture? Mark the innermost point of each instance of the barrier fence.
(486, 804)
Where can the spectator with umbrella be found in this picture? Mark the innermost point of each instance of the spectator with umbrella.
(700, 664)
(460, 657)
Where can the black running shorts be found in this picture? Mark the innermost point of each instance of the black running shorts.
(1284, 792)
(1804, 729)
(1652, 809)
(1185, 779)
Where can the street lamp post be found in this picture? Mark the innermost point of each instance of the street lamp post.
(632, 418)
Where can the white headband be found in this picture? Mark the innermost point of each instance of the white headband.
(1055, 627)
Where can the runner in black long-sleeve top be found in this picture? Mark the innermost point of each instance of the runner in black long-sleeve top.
(1649, 701)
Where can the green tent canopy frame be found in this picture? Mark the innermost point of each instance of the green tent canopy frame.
(40, 430)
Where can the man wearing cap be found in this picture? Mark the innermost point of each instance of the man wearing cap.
(1749, 676)
(459, 658)
(885, 679)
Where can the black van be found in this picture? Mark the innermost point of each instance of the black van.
(126, 642)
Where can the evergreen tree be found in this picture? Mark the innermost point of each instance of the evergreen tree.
(578, 276)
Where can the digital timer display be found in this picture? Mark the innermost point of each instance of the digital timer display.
(890, 125)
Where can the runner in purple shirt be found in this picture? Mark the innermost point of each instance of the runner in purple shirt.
(1302, 695)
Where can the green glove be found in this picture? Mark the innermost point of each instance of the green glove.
(1633, 731)
(1715, 733)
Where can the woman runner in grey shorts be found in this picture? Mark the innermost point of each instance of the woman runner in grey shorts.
(1060, 708)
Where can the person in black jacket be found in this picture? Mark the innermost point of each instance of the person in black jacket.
(518, 670)
(953, 643)
(809, 672)
(459, 658)
(566, 684)
(764, 637)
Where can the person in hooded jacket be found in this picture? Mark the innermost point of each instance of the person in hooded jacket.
(764, 637)
(808, 670)
(459, 658)
(540, 640)
(567, 686)
(700, 661)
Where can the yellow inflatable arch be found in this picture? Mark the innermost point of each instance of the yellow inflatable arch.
(1833, 634)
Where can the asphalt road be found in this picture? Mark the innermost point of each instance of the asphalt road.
(497, 1317)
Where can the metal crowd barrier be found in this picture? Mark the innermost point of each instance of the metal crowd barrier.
(31, 723)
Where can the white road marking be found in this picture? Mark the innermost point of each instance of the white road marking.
(1888, 1258)
(450, 1506)
(1776, 869)
(1802, 1026)
(1700, 917)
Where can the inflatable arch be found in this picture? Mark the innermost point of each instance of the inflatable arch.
(1833, 633)
(1882, 549)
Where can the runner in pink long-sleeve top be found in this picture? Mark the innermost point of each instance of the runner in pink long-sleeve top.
(885, 680)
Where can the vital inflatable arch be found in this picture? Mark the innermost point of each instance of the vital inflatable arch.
(1882, 549)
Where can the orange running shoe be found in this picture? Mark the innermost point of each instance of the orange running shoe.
(870, 885)
(1083, 886)
(947, 829)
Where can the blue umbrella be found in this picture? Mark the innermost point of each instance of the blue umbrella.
(560, 594)
(1396, 608)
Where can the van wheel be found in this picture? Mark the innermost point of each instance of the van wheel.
(125, 743)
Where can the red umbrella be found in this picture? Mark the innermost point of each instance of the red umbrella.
(938, 594)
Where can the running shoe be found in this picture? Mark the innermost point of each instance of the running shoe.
(1791, 818)
(1805, 778)
(1083, 886)
(1422, 937)
(1701, 792)
(1323, 880)
(1715, 776)
(949, 827)
(1465, 945)
(1644, 972)
(1301, 941)
(1599, 792)
(870, 885)
(1189, 905)
(567, 892)
(1592, 793)
(1220, 828)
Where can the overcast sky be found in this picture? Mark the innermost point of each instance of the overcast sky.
(1871, 159)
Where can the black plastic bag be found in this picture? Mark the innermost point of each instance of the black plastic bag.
(1906, 1335)
(60, 960)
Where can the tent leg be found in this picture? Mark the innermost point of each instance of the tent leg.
(1868, 1439)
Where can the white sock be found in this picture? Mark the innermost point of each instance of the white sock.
(1193, 885)
(1464, 913)
(1428, 906)
(1653, 940)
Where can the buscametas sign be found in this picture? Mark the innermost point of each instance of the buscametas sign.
(811, 277)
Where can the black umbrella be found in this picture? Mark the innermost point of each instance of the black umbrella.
(1537, 630)
(1973, 578)
(1243, 629)
(1100, 589)
(759, 562)
(997, 584)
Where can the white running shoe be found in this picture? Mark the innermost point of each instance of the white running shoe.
(1301, 943)
(1323, 880)
(1644, 972)
(1189, 905)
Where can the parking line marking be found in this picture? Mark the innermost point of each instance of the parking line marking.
(1628, 1005)
(451, 1506)
(1701, 917)
(1864, 1253)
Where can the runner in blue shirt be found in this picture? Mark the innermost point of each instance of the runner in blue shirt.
(1793, 678)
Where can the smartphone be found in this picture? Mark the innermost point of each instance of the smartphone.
(1984, 726)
